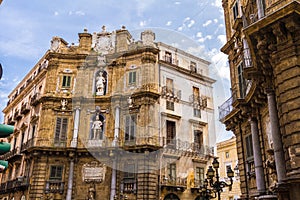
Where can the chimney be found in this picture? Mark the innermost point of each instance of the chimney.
(85, 40)
(123, 39)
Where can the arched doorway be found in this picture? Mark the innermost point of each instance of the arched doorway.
(171, 197)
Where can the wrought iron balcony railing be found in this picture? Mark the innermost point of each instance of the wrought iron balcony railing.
(54, 186)
(12, 153)
(171, 60)
(29, 143)
(226, 107)
(171, 93)
(25, 108)
(35, 99)
(198, 101)
(18, 184)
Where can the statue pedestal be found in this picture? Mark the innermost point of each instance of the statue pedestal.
(99, 93)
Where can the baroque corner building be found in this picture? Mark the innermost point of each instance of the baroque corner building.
(110, 118)
(263, 46)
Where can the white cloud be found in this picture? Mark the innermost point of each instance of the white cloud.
(177, 3)
(143, 23)
(208, 22)
(169, 23)
(222, 39)
(201, 39)
(56, 13)
(216, 20)
(192, 22)
(180, 28)
(186, 19)
(79, 13)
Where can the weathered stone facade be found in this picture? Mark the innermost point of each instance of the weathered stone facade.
(110, 118)
(227, 154)
(263, 112)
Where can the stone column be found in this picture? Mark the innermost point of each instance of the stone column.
(260, 9)
(76, 126)
(276, 137)
(259, 171)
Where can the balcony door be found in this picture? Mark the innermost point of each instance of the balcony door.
(171, 133)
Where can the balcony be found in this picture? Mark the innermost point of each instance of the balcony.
(173, 183)
(199, 102)
(25, 108)
(171, 60)
(195, 185)
(128, 185)
(17, 115)
(171, 93)
(10, 121)
(19, 184)
(27, 144)
(54, 186)
(11, 154)
(226, 107)
(35, 99)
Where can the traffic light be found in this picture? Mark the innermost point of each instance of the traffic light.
(5, 131)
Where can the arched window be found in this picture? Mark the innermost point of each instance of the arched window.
(171, 197)
(97, 127)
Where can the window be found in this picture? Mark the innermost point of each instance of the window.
(227, 154)
(132, 78)
(235, 10)
(129, 170)
(56, 172)
(193, 67)
(130, 127)
(33, 130)
(197, 112)
(171, 133)
(198, 139)
(199, 175)
(228, 166)
(170, 105)
(249, 146)
(242, 85)
(172, 171)
(196, 95)
(168, 57)
(66, 82)
(60, 131)
(169, 84)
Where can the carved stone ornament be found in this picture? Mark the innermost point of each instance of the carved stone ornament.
(104, 42)
(93, 172)
(55, 43)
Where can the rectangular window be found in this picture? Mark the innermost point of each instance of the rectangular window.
(198, 139)
(172, 171)
(130, 127)
(199, 176)
(235, 10)
(66, 82)
(129, 171)
(242, 84)
(168, 57)
(227, 154)
(249, 146)
(170, 105)
(60, 131)
(56, 172)
(132, 77)
(193, 67)
(169, 84)
(197, 112)
(171, 133)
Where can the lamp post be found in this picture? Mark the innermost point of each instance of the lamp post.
(215, 184)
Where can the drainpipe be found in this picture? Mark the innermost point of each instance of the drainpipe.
(115, 144)
(74, 145)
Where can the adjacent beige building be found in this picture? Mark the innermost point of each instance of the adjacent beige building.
(110, 118)
(263, 46)
(227, 154)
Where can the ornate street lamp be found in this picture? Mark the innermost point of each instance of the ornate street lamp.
(216, 186)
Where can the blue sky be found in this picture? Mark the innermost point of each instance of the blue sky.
(27, 28)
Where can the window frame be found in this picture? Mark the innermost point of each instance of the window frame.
(66, 81)
(55, 177)
(132, 77)
(130, 127)
(61, 131)
(199, 175)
